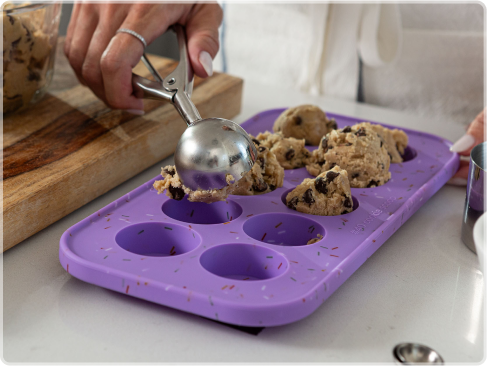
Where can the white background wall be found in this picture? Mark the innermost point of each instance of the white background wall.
(440, 73)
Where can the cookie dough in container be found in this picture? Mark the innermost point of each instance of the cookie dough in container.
(29, 46)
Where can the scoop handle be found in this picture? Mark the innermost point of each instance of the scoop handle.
(177, 87)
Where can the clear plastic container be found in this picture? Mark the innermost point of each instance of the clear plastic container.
(29, 47)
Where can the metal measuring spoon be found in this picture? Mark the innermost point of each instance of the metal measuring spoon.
(415, 353)
(210, 148)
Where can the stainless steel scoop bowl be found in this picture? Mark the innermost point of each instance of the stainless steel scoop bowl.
(210, 149)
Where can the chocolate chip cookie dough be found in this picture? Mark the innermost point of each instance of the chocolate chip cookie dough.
(26, 51)
(289, 152)
(265, 176)
(327, 195)
(176, 190)
(395, 141)
(307, 122)
(358, 150)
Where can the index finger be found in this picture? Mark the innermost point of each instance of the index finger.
(120, 57)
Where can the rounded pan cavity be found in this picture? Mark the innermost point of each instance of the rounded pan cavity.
(354, 200)
(283, 229)
(200, 212)
(156, 239)
(409, 154)
(244, 262)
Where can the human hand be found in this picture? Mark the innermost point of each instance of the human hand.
(103, 60)
(464, 145)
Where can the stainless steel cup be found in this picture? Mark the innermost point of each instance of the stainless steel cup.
(474, 201)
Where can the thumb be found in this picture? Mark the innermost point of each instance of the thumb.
(473, 137)
(202, 33)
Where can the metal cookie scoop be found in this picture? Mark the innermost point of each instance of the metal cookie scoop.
(209, 149)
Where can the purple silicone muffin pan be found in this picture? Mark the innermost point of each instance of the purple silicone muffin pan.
(245, 261)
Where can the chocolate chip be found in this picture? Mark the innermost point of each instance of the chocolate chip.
(344, 212)
(170, 172)
(293, 202)
(15, 43)
(298, 120)
(308, 196)
(372, 183)
(290, 154)
(347, 129)
(320, 185)
(321, 163)
(355, 175)
(360, 132)
(333, 124)
(11, 19)
(33, 76)
(177, 193)
(331, 175)
(347, 203)
(257, 142)
(383, 166)
(381, 143)
(324, 144)
(262, 163)
(259, 186)
(261, 148)
(272, 187)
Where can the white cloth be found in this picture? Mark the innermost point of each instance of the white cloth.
(314, 47)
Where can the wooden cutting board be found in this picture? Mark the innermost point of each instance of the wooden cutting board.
(70, 148)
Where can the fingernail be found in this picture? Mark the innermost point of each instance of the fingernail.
(463, 143)
(206, 62)
(135, 111)
(457, 181)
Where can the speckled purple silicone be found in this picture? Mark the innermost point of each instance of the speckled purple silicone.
(245, 261)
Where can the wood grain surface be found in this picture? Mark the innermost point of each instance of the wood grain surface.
(70, 148)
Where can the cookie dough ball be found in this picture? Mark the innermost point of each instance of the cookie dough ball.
(358, 150)
(304, 122)
(289, 152)
(327, 195)
(176, 190)
(26, 50)
(265, 176)
(395, 141)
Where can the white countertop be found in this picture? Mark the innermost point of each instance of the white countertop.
(423, 285)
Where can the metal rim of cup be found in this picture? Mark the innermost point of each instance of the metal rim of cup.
(478, 155)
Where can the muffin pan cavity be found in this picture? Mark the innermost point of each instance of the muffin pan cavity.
(155, 239)
(282, 229)
(246, 261)
(202, 213)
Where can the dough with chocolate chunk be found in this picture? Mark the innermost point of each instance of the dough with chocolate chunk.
(327, 195)
(289, 152)
(176, 190)
(358, 150)
(26, 51)
(265, 176)
(307, 122)
(395, 141)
